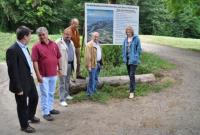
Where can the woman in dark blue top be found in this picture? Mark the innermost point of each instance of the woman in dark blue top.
(131, 56)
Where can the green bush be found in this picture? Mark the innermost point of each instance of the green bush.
(114, 66)
(112, 55)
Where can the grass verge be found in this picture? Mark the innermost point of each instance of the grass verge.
(109, 92)
(7, 39)
(184, 43)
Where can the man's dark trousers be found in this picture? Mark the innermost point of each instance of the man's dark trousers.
(26, 109)
(21, 80)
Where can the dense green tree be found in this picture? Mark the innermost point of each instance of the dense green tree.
(154, 17)
(186, 17)
(33, 13)
(158, 17)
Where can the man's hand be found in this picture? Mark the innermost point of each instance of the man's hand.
(20, 93)
(60, 73)
(39, 78)
(89, 68)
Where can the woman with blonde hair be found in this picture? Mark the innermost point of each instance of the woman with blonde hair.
(131, 51)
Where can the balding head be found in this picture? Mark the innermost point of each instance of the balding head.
(95, 37)
(75, 23)
(95, 34)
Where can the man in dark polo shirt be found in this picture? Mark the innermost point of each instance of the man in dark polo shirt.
(45, 57)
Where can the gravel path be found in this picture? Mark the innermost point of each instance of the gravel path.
(175, 111)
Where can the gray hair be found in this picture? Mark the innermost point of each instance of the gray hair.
(41, 30)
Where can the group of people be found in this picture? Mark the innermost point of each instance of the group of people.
(50, 60)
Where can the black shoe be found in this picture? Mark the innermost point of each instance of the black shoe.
(48, 117)
(29, 129)
(80, 77)
(54, 111)
(34, 120)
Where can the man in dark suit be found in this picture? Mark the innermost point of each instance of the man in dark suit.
(20, 71)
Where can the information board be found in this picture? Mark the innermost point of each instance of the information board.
(110, 20)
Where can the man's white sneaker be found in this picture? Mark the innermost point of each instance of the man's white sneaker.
(131, 95)
(63, 103)
(69, 97)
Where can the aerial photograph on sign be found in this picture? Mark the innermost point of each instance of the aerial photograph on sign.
(100, 21)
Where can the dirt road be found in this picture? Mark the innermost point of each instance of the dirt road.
(175, 111)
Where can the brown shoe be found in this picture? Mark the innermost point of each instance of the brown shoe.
(29, 129)
(34, 120)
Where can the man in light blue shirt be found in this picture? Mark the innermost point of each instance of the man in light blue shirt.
(21, 83)
(27, 55)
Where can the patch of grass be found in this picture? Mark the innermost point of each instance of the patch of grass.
(109, 92)
(100, 97)
(145, 89)
(151, 63)
(7, 39)
(184, 43)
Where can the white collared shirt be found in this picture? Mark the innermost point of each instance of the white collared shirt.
(99, 55)
(26, 54)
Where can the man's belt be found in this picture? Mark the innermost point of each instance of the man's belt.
(70, 62)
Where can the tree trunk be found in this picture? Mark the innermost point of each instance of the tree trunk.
(81, 85)
(112, 1)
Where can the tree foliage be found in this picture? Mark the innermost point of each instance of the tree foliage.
(158, 17)
(32, 13)
(186, 17)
